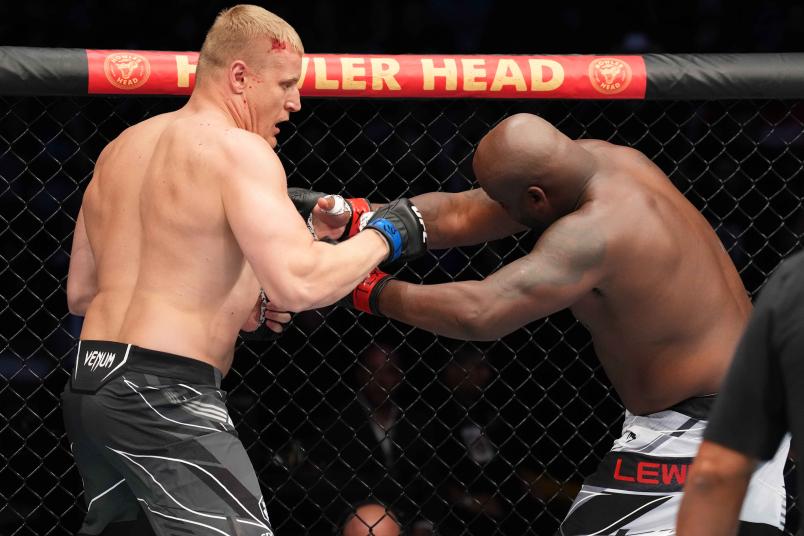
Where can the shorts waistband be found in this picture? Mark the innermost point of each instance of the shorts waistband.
(155, 362)
(697, 407)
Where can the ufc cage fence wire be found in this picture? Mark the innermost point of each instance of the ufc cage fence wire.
(488, 438)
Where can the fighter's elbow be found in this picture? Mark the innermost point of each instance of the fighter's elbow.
(293, 300)
(475, 324)
(76, 309)
(78, 303)
(82, 275)
(709, 474)
(302, 295)
(79, 297)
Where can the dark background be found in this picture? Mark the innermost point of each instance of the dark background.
(426, 26)
(551, 414)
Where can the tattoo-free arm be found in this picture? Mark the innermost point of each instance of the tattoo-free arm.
(714, 492)
(82, 275)
(565, 264)
(463, 219)
(296, 272)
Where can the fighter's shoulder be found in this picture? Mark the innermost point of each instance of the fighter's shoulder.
(599, 228)
(227, 148)
(618, 216)
(591, 144)
(237, 142)
(145, 130)
(583, 233)
(104, 160)
(594, 215)
(106, 152)
(609, 150)
(133, 142)
(237, 139)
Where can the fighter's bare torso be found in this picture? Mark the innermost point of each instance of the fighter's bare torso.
(171, 276)
(668, 315)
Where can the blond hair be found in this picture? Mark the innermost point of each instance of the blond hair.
(234, 30)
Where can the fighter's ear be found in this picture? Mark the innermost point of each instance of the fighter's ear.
(237, 76)
(536, 196)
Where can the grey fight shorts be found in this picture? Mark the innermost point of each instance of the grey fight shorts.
(156, 448)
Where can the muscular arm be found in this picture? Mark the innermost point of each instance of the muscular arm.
(296, 272)
(565, 264)
(463, 219)
(82, 276)
(714, 492)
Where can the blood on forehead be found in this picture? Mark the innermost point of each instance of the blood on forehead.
(276, 44)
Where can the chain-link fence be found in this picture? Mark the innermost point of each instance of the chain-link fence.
(489, 438)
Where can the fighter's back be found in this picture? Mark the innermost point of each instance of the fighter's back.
(667, 317)
(166, 258)
(186, 218)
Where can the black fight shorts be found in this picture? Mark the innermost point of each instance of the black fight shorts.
(156, 448)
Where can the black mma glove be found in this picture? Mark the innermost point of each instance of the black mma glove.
(365, 297)
(305, 201)
(402, 226)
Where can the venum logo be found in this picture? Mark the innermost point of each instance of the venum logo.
(127, 70)
(95, 359)
(609, 75)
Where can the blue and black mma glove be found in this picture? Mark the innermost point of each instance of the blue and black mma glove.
(402, 226)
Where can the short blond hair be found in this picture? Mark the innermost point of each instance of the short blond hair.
(234, 31)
